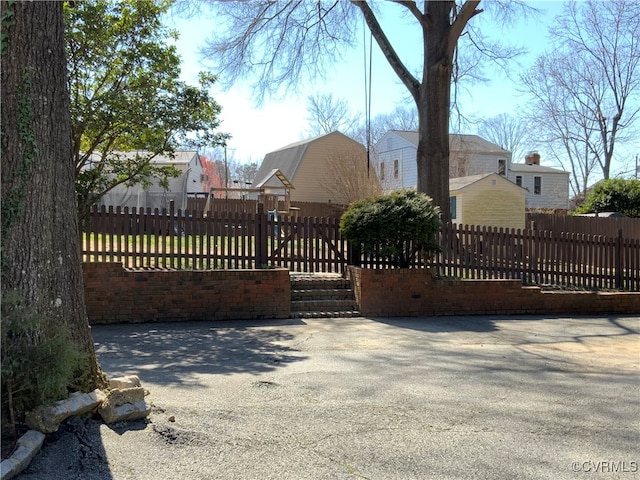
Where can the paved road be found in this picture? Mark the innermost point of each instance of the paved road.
(444, 398)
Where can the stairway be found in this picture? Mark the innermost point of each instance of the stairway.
(322, 295)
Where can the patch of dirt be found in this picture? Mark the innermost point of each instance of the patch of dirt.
(177, 436)
(265, 384)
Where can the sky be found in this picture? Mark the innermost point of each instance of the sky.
(259, 129)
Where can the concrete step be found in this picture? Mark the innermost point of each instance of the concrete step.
(313, 294)
(321, 295)
(322, 304)
(320, 284)
(326, 314)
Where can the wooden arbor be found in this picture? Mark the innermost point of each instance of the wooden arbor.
(270, 194)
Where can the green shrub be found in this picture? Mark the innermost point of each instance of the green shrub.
(613, 195)
(38, 360)
(397, 226)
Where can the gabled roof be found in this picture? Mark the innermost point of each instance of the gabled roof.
(458, 142)
(460, 183)
(260, 183)
(288, 158)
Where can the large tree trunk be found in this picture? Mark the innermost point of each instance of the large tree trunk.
(434, 108)
(40, 241)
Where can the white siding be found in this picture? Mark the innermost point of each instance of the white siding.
(463, 164)
(555, 189)
(393, 147)
(194, 182)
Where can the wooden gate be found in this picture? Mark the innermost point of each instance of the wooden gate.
(307, 244)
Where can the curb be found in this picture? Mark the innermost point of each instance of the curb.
(127, 403)
(28, 446)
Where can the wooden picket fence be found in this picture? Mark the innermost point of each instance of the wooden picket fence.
(541, 257)
(146, 239)
(606, 226)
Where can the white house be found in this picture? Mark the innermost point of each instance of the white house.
(547, 188)
(395, 158)
(155, 196)
(395, 163)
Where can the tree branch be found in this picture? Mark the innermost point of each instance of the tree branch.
(409, 81)
(411, 6)
(467, 12)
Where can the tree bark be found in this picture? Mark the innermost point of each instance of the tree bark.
(434, 107)
(40, 240)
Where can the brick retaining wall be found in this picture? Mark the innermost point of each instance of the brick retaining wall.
(116, 295)
(413, 292)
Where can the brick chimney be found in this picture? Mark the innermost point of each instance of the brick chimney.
(532, 158)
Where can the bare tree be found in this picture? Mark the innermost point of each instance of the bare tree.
(400, 118)
(348, 178)
(279, 41)
(509, 132)
(586, 89)
(327, 114)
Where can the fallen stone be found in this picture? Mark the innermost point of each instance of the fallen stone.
(120, 396)
(27, 447)
(47, 418)
(129, 381)
(122, 413)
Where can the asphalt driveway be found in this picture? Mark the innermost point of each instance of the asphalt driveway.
(446, 398)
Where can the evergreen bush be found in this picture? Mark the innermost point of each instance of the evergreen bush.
(397, 226)
(613, 195)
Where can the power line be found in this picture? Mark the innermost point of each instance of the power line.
(367, 89)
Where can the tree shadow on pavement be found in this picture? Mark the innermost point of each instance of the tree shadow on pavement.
(176, 353)
(563, 343)
(480, 323)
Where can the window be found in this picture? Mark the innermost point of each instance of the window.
(381, 170)
(396, 168)
(502, 167)
(519, 180)
(537, 185)
(452, 207)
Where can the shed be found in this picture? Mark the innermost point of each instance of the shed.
(330, 168)
(487, 199)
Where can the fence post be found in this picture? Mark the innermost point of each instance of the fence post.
(618, 260)
(354, 255)
(261, 237)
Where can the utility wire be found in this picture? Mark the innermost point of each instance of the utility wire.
(367, 89)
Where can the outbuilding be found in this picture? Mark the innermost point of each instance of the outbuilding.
(487, 199)
(330, 169)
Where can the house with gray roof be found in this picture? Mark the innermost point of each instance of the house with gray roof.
(189, 182)
(469, 155)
